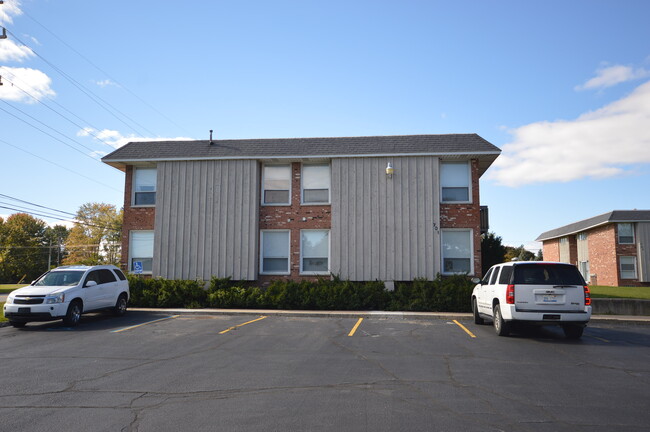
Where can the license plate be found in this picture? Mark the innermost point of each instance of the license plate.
(550, 298)
(24, 310)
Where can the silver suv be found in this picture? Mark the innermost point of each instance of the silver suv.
(67, 292)
(534, 292)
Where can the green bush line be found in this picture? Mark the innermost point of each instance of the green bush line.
(448, 294)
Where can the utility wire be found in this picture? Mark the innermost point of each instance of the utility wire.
(58, 113)
(36, 205)
(97, 99)
(105, 73)
(58, 165)
(23, 208)
(33, 213)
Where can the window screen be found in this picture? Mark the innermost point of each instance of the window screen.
(316, 183)
(277, 183)
(275, 252)
(315, 250)
(454, 180)
(144, 186)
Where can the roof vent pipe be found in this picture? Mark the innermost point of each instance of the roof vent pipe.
(211, 142)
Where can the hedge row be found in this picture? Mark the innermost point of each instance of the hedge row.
(448, 294)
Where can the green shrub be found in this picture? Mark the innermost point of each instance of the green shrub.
(166, 293)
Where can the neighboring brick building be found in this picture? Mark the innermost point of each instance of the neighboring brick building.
(389, 208)
(610, 249)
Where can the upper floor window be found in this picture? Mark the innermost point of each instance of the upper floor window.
(582, 236)
(316, 184)
(455, 181)
(276, 184)
(144, 186)
(625, 233)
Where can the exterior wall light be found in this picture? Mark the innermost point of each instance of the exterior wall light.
(390, 170)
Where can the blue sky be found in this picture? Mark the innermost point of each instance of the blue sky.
(563, 88)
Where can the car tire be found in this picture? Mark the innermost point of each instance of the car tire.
(18, 324)
(73, 315)
(573, 331)
(501, 327)
(120, 305)
(477, 318)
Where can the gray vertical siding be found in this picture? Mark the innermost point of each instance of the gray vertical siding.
(384, 228)
(206, 220)
(643, 250)
(564, 250)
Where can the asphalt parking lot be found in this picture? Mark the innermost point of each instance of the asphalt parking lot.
(160, 372)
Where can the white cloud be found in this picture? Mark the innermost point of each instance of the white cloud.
(116, 140)
(106, 83)
(612, 75)
(11, 51)
(33, 81)
(602, 143)
(8, 10)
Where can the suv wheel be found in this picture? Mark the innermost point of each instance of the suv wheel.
(73, 315)
(120, 305)
(573, 331)
(501, 327)
(477, 318)
(18, 324)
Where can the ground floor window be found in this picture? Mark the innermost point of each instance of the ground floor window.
(314, 251)
(457, 251)
(583, 266)
(141, 251)
(275, 252)
(628, 267)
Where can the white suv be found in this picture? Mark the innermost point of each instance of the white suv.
(534, 292)
(67, 292)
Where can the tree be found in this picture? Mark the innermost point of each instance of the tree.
(492, 251)
(520, 253)
(539, 256)
(23, 249)
(55, 237)
(95, 237)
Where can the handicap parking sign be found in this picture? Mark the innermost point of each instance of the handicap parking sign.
(137, 267)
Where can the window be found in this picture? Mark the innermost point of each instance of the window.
(275, 252)
(276, 180)
(92, 276)
(486, 278)
(495, 275)
(144, 186)
(506, 275)
(316, 184)
(106, 276)
(625, 233)
(454, 180)
(119, 274)
(141, 251)
(584, 269)
(582, 236)
(457, 251)
(628, 267)
(315, 251)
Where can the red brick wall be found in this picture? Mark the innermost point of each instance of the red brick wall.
(466, 216)
(551, 250)
(135, 218)
(294, 217)
(602, 255)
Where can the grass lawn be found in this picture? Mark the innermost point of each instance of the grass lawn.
(2, 316)
(7, 288)
(620, 292)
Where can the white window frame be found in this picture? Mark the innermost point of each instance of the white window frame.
(620, 267)
(264, 203)
(288, 271)
(134, 186)
(442, 250)
(469, 181)
(618, 233)
(302, 184)
(329, 253)
(131, 257)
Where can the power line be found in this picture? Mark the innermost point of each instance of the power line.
(97, 99)
(37, 205)
(55, 111)
(105, 73)
(58, 165)
(33, 213)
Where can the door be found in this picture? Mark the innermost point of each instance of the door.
(92, 295)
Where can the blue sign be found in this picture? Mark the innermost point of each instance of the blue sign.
(137, 267)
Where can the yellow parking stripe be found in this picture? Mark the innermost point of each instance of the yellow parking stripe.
(356, 326)
(240, 325)
(148, 322)
(465, 328)
(600, 339)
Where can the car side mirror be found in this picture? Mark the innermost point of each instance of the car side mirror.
(90, 284)
(476, 280)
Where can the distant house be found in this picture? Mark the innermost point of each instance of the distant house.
(390, 208)
(610, 249)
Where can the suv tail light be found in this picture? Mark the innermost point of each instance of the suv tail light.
(587, 296)
(510, 294)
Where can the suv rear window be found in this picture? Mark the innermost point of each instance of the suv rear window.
(547, 274)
